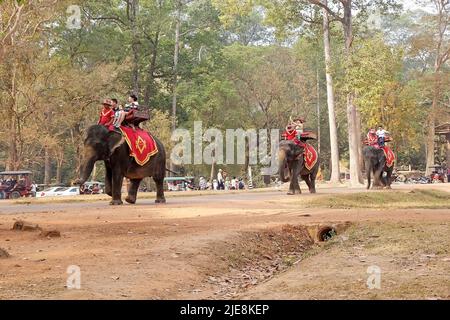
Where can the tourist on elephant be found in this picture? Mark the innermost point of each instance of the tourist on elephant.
(294, 130)
(107, 113)
(381, 134)
(298, 124)
(129, 108)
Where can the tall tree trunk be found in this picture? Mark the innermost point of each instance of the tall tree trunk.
(149, 90)
(335, 174)
(353, 140)
(431, 124)
(442, 56)
(13, 153)
(175, 65)
(133, 11)
(59, 164)
(58, 171)
(47, 166)
(12, 159)
(318, 110)
(359, 141)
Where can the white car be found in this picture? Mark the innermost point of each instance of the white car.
(72, 191)
(51, 192)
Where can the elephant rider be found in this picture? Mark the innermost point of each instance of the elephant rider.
(107, 113)
(372, 139)
(129, 109)
(381, 134)
(298, 123)
(294, 130)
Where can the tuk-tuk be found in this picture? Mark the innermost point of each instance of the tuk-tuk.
(180, 183)
(15, 184)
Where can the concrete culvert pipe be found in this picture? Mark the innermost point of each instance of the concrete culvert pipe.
(326, 233)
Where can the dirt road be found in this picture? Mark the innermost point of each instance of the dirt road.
(200, 247)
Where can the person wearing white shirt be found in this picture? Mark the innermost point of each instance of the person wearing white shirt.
(381, 134)
(220, 181)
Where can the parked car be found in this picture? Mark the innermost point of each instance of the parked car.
(72, 191)
(51, 192)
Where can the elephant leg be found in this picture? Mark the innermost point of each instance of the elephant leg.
(377, 179)
(388, 178)
(108, 181)
(294, 187)
(117, 181)
(132, 191)
(310, 180)
(159, 190)
(307, 179)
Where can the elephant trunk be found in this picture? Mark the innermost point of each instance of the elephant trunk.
(282, 161)
(86, 168)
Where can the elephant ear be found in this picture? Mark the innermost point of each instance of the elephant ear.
(115, 140)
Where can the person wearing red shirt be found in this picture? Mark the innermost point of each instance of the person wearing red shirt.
(107, 114)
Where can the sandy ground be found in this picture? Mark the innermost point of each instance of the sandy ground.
(181, 250)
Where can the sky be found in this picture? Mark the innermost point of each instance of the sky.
(412, 5)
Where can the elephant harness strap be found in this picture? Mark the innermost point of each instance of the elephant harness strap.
(141, 143)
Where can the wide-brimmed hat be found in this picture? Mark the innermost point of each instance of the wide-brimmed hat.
(107, 102)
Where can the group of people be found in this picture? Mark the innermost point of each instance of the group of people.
(8, 185)
(114, 114)
(294, 130)
(12, 184)
(223, 182)
(377, 136)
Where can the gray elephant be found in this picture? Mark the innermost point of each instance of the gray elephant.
(292, 164)
(110, 146)
(376, 164)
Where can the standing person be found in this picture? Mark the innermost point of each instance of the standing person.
(33, 189)
(220, 180)
(107, 113)
(381, 134)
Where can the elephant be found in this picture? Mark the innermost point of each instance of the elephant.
(110, 146)
(375, 163)
(290, 159)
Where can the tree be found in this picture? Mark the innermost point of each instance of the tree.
(335, 174)
(441, 43)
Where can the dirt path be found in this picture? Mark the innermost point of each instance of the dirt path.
(168, 251)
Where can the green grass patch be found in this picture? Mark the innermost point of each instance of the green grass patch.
(420, 199)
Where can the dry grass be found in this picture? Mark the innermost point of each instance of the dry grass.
(413, 257)
(420, 199)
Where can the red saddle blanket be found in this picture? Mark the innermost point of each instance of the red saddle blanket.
(310, 156)
(390, 156)
(141, 143)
